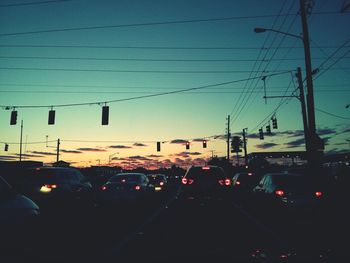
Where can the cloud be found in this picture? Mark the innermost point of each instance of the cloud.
(187, 154)
(200, 139)
(199, 161)
(296, 143)
(154, 156)
(178, 141)
(266, 145)
(253, 136)
(139, 158)
(221, 137)
(139, 144)
(8, 157)
(91, 149)
(119, 147)
(41, 153)
(70, 151)
(326, 131)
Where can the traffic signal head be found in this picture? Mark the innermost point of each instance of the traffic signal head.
(13, 120)
(204, 143)
(105, 115)
(268, 129)
(187, 145)
(158, 146)
(261, 134)
(51, 117)
(6, 147)
(274, 123)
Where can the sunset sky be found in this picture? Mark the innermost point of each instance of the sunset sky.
(200, 59)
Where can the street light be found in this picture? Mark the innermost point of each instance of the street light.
(315, 141)
(109, 158)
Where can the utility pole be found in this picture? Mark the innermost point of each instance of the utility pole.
(303, 110)
(20, 143)
(58, 150)
(228, 138)
(312, 136)
(245, 147)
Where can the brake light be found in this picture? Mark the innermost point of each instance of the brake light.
(250, 174)
(279, 192)
(51, 186)
(187, 181)
(103, 188)
(318, 194)
(238, 182)
(161, 183)
(137, 187)
(227, 182)
(205, 168)
(184, 181)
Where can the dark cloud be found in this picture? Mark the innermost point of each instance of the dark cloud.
(221, 137)
(119, 147)
(347, 130)
(199, 161)
(70, 151)
(296, 143)
(187, 154)
(119, 159)
(8, 157)
(326, 131)
(200, 139)
(139, 158)
(253, 136)
(139, 144)
(336, 151)
(178, 141)
(91, 149)
(266, 145)
(40, 153)
(154, 156)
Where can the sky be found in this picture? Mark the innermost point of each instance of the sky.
(170, 71)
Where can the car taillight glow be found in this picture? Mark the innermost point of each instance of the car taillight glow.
(318, 194)
(238, 182)
(103, 188)
(279, 192)
(250, 174)
(161, 183)
(184, 180)
(205, 168)
(137, 187)
(227, 182)
(51, 186)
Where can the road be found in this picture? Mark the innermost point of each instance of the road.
(174, 230)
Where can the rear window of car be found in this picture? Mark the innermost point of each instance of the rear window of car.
(293, 181)
(49, 175)
(205, 172)
(125, 178)
(156, 178)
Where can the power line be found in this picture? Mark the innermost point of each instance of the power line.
(154, 60)
(138, 97)
(35, 3)
(332, 114)
(150, 24)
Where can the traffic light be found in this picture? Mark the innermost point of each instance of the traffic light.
(274, 123)
(13, 120)
(204, 143)
(187, 145)
(236, 143)
(268, 129)
(261, 134)
(105, 115)
(6, 147)
(158, 146)
(51, 117)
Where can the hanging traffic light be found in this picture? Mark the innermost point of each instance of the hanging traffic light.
(268, 129)
(13, 120)
(274, 123)
(236, 144)
(187, 145)
(204, 143)
(261, 134)
(158, 146)
(105, 115)
(51, 120)
(6, 147)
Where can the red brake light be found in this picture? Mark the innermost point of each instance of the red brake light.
(205, 168)
(227, 182)
(184, 180)
(103, 187)
(190, 181)
(250, 174)
(161, 183)
(137, 187)
(318, 194)
(238, 182)
(279, 192)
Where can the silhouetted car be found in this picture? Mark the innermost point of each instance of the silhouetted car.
(204, 182)
(244, 182)
(47, 185)
(290, 191)
(125, 188)
(15, 209)
(159, 181)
